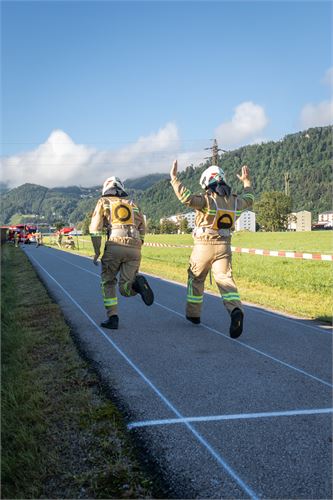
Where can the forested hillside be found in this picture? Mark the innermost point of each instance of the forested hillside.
(44, 204)
(307, 156)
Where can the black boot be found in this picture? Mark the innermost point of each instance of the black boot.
(236, 325)
(111, 323)
(193, 319)
(141, 286)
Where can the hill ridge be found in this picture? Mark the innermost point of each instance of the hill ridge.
(306, 155)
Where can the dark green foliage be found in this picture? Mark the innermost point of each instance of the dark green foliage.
(273, 209)
(67, 204)
(168, 227)
(153, 226)
(84, 226)
(307, 156)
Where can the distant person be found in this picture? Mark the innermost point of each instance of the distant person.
(122, 251)
(38, 237)
(70, 242)
(16, 239)
(216, 212)
(59, 239)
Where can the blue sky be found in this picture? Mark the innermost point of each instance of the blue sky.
(94, 87)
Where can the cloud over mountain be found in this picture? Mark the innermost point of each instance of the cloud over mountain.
(248, 120)
(61, 162)
(319, 114)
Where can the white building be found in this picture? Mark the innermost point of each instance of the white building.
(172, 218)
(190, 216)
(300, 221)
(326, 217)
(246, 222)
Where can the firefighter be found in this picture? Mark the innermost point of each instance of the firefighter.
(38, 237)
(16, 239)
(122, 251)
(216, 212)
(69, 243)
(59, 239)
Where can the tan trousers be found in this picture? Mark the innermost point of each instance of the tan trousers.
(118, 259)
(217, 258)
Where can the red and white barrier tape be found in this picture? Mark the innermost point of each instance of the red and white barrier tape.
(283, 253)
(256, 251)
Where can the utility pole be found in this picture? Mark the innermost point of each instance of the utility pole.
(215, 152)
(287, 183)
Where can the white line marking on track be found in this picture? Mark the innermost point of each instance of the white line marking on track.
(258, 351)
(198, 436)
(240, 416)
(252, 348)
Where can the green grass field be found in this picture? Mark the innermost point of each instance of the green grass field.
(311, 242)
(299, 287)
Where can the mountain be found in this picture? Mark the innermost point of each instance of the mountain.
(143, 183)
(68, 204)
(306, 156)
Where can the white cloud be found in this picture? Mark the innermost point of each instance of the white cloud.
(61, 162)
(317, 115)
(248, 120)
(320, 114)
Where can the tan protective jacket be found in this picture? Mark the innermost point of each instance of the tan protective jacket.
(125, 219)
(215, 215)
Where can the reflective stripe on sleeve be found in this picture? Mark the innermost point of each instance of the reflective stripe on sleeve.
(250, 196)
(185, 196)
(209, 211)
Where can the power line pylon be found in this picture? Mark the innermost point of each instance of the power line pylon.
(215, 152)
(287, 179)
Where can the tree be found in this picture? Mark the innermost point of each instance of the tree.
(273, 211)
(183, 225)
(59, 225)
(168, 227)
(153, 226)
(86, 223)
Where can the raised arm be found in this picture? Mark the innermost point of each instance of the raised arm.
(245, 201)
(184, 195)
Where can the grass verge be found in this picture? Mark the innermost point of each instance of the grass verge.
(61, 435)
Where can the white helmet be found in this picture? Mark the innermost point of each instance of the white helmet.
(211, 175)
(112, 182)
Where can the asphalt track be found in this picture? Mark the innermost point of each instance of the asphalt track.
(221, 418)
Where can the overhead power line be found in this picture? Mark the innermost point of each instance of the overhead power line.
(215, 152)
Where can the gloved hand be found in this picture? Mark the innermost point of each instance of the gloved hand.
(173, 171)
(95, 261)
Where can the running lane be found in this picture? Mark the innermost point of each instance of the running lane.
(221, 418)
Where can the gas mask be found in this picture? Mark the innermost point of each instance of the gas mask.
(221, 188)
